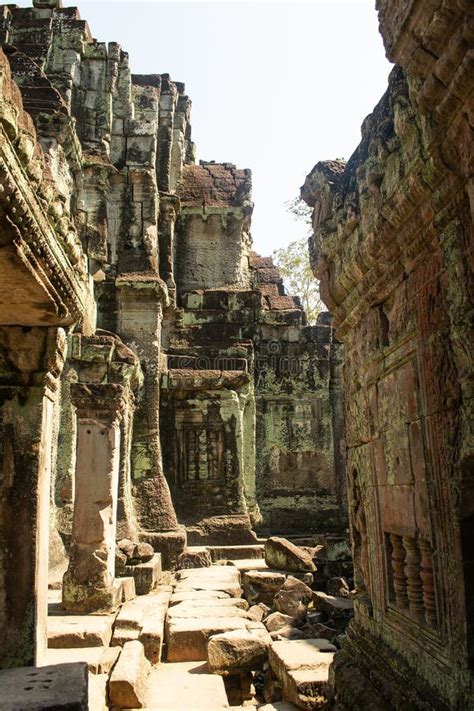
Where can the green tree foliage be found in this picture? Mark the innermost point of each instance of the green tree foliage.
(293, 263)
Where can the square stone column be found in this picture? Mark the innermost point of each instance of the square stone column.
(31, 360)
(88, 584)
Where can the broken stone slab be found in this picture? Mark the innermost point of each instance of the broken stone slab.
(261, 586)
(302, 667)
(128, 681)
(41, 688)
(279, 706)
(336, 608)
(66, 631)
(238, 651)
(186, 638)
(146, 575)
(293, 598)
(276, 620)
(99, 660)
(284, 555)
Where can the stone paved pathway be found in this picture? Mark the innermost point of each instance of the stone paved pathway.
(181, 617)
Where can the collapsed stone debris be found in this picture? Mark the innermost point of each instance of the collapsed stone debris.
(179, 438)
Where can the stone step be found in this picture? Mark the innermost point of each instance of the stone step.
(99, 660)
(185, 686)
(236, 552)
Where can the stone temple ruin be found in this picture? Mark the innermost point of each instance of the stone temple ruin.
(187, 448)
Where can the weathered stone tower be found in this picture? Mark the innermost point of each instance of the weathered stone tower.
(156, 382)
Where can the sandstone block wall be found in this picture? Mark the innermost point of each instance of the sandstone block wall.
(392, 246)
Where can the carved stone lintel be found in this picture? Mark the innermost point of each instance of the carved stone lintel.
(98, 400)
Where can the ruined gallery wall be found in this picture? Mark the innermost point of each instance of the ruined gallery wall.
(392, 248)
(286, 375)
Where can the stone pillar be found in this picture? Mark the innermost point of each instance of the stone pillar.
(141, 298)
(31, 360)
(88, 584)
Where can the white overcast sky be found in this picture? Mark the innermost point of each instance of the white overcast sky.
(275, 86)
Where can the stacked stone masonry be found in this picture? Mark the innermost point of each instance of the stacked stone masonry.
(157, 384)
(392, 247)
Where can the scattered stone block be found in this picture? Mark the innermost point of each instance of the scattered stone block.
(338, 587)
(287, 632)
(128, 681)
(284, 555)
(42, 688)
(302, 667)
(195, 557)
(128, 588)
(257, 612)
(279, 706)
(238, 651)
(98, 692)
(224, 584)
(211, 602)
(182, 596)
(293, 598)
(151, 636)
(249, 564)
(99, 660)
(336, 608)
(146, 575)
(277, 620)
(238, 688)
(66, 631)
(186, 610)
(235, 552)
(338, 548)
(261, 586)
(186, 638)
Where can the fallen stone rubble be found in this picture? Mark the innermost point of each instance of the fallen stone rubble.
(218, 636)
